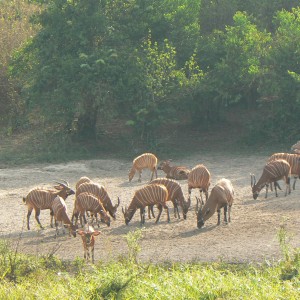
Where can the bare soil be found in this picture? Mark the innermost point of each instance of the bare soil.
(250, 237)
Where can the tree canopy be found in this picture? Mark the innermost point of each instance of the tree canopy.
(151, 63)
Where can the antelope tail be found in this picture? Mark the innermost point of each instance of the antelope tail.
(24, 200)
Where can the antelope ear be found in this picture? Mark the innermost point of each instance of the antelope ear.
(80, 232)
(58, 187)
(96, 232)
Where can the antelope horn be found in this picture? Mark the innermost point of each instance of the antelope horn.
(254, 183)
(251, 176)
(123, 210)
(60, 183)
(197, 205)
(66, 182)
(189, 202)
(117, 205)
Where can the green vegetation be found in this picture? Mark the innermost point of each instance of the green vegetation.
(90, 75)
(47, 277)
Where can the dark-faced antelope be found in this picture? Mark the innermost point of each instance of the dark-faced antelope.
(199, 178)
(272, 172)
(100, 192)
(144, 161)
(175, 195)
(293, 160)
(149, 195)
(221, 196)
(88, 202)
(88, 241)
(173, 172)
(39, 199)
(59, 209)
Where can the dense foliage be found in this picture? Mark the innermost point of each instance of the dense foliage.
(139, 65)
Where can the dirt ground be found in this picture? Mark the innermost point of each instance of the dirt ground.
(251, 236)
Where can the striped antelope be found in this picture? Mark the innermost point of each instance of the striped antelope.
(88, 241)
(293, 160)
(144, 161)
(149, 195)
(82, 180)
(88, 202)
(221, 196)
(39, 199)
(199, 178)
(100, 192)
(59, 209)
(272, 172)
(175, 172)
(175, 195)
(296, 148)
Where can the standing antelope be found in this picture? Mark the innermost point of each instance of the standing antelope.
(272, 172)
(39, 199)
(175, 172)
(144, 161)
(149, 195)
(59, 208)
(100, 192)
(199, 178)
(221, 196)
(293, 160)
(88, 202)
(175, 195)
(88, 241)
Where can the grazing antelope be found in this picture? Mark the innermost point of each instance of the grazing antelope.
(144, 161)
(88, 202)
(82, 180)
(59, 209)
(221, 196)
(272, 172)
(100, 192)
(293, 160)
(199, 177)
(149, 195)
(296, 148)
(39, 199)
(88, 241)
(174, 172)
(175, 195)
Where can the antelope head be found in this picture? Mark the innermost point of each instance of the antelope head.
(255, 189)
(114, 209)
(200, 217)
(64, 187)
(131, 173)
(186, 206)
(164, 164)
(72, 229)
(105, 217)
(127, 215)
(88, 234)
